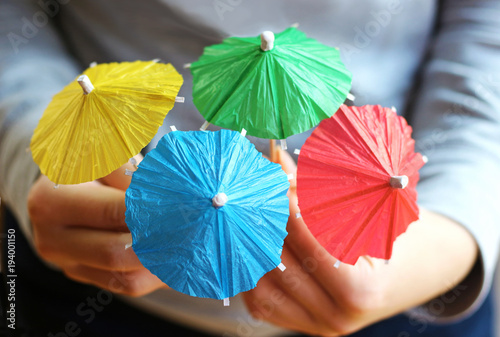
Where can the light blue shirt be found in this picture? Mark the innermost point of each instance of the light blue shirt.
(438, 63)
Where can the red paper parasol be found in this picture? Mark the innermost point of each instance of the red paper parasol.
(356, 182)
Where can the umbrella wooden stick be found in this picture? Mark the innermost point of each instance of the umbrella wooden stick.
(272, 150)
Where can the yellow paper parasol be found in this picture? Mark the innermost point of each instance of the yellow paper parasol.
(86, 134)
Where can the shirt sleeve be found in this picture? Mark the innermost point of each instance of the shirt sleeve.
(456, 121)
(34, 66)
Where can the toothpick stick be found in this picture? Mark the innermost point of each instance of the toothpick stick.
(272, 151)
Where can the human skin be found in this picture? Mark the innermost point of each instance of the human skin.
(81, 229)
(432, 256)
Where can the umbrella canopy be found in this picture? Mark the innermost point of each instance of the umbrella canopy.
(356, 182)
(208, 213)
(274, 87)
(99, 121)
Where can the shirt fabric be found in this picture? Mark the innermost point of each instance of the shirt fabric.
(450, 48)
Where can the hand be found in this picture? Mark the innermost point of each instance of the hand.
(81, 229)
(312, 296)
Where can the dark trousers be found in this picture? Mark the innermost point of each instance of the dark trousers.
(480, 324)
(49, 304)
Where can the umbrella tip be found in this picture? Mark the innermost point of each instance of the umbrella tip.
(204, 126)
(425, 159)
(85, 83)
(219, 200)
(133, 161)
(283, 144)
(267, 40)
(226, 302)
(337, 264)
(399, 181)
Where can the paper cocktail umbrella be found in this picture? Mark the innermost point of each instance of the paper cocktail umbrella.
(208, 213)
(106, 116)
(356, 182)
(272, 86)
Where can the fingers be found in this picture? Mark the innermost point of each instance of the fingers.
(81, 229)
(307, 250)
(277, 309)
(89, 204)
(118, 179)
(131, 283)
(301, 283)
(97, 249)
(294, 293)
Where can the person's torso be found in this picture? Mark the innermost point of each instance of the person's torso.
(382, 43)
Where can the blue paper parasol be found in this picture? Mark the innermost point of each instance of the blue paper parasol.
(208, 213)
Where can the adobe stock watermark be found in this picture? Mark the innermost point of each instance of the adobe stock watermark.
(460, 114)
(293, 277)
(364, 35)
(11, 278)
(432, 311)
(32, 25)
(221, 7)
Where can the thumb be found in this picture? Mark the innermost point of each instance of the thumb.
(89, 205)
(118, 179)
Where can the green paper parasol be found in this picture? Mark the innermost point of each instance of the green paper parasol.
(272, 86)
